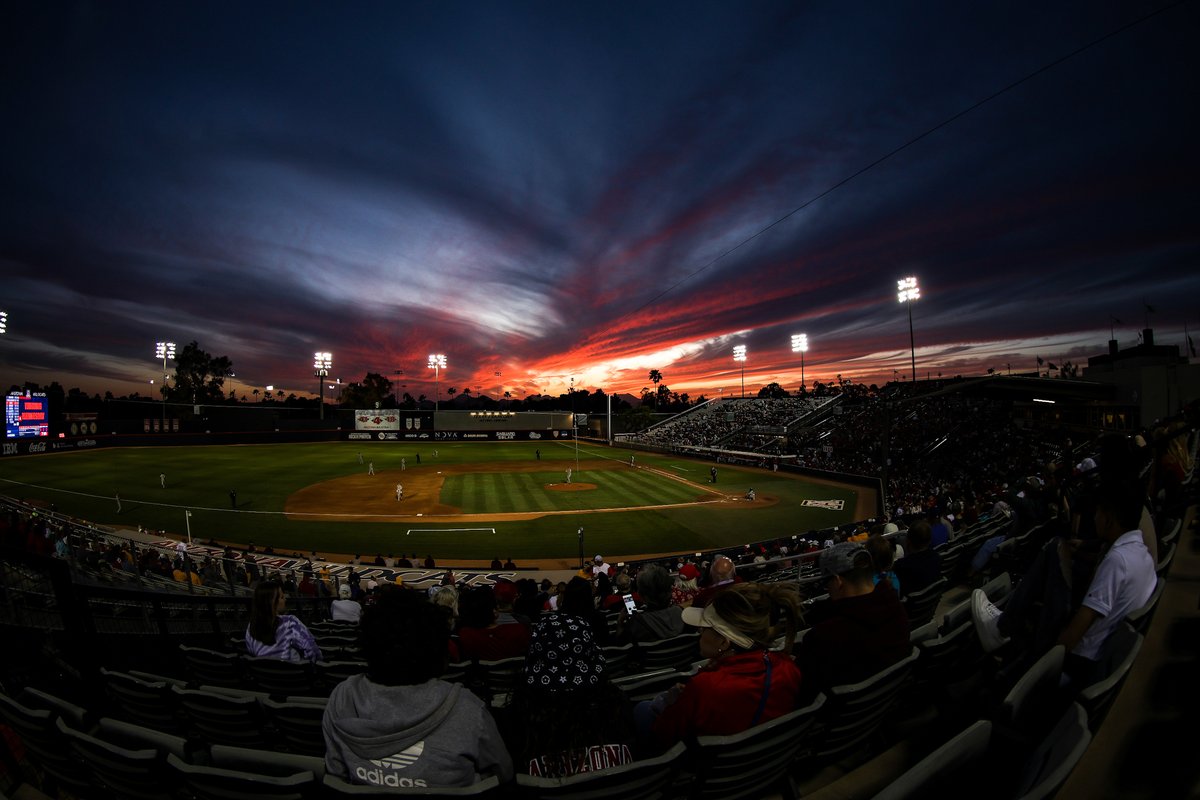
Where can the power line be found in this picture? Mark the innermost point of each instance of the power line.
(949, 120)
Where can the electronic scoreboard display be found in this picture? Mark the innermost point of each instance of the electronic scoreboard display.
(26, 415)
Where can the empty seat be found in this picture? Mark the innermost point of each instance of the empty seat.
(298, 725)
(46, 746)
(920, 606)
(853, 712)
(119, 772)
(618, 660)
(282, 678)
(223, 718)
(210, 668)
(330, 673)
(1037, 697)
(266, 762)
(1123, 646)
(216, 783)
(142, 702)
(945, 771)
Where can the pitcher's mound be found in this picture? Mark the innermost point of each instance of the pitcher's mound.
(570, 487)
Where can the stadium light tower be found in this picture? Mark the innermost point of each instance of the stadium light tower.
(164, 350)
(908, 292)
(437, 363)
(739, 355)
(800, 345)
(322, 363)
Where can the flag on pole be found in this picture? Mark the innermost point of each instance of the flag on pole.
(1051, 365)
(1040, 362)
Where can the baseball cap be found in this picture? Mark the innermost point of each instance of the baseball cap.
(689, 572)
(839, 559)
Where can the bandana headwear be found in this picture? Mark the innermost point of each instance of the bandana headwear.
(708, 617)
(563, 656)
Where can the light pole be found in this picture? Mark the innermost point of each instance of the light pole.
(322, 363)
(164, 350)
(739, 355)
(437, 362)
(800, 345)
(574, 426)
(907, 292)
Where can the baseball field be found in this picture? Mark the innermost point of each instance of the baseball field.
(459, 501)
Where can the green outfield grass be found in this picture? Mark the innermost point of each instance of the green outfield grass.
(265, 476)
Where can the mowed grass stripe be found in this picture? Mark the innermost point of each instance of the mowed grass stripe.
(535, 491)
(514, 493)
(488, 495)
(653, 489)
(637, 493)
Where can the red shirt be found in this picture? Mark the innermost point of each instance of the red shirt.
(495, 643)
(723, 697)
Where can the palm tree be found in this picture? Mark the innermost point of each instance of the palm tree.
(655, 378)
(279, 393)
(255, 393)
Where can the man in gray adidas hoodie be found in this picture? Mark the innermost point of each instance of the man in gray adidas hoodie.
(400, 726)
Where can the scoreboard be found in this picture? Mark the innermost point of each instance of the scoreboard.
(26, 415)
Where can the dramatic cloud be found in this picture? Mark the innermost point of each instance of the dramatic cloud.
(556, 192)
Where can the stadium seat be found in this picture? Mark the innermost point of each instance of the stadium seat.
(1164, 563)
(945, 771)
(677, 652)
(298, 725)
(853, 712)
(219, 718)
(920, 606)
(645, 685)
(1059, 751)
(136, 737)
(331, 673)
(949, 558)
(281, 678)
(927, 631)
(216, 783)
(1123, 647)
(1036, 699)
(265, 762)
(751, 763)
(119, 773)
(498, 678)
(45, 746)
(142, 702)
(210, 668)
(642, 780)
(618, 660)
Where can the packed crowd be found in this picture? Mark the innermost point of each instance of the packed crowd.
(708, 425)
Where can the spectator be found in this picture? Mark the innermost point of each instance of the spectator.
(659, 619)
(880, 549)
(273, 634)
(861, 630)
(479, 634)
(921, 566)
(344, 609)
(565, 717)
(743, 684)
(1123, 582)
(722, 574)
(398, 725)
(684, 592)
(578, 599)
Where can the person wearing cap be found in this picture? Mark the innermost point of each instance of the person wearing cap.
(599, 567)
(684, 592)
(743, 684)
(399, 725)
(860, 631)
(565, 717)
(344, 609)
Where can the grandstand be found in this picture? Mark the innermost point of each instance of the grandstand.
(115, 649)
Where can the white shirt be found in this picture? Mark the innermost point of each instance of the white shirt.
(1123, 582)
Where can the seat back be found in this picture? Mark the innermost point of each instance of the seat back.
(224, 719)
(646, 685)
(208, 667)
(1057, 754)
(618, 660)
(946, 770)
(853, 712)
(920, 606)
(1122, 648)
(118, 771)
(216, 783)
(298, 725)
(500, 677)
(1164, 563)
(142, 702)
(330, 673)
(641, 780)
(266, 762)
(750, 763)
(282, 678)
(943, 658)
(678, 652)
(1036, 697)
(45, 744)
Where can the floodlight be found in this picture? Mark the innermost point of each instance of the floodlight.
(323, 361)
(907, 290)
(4, 322)
(800, 345)
(739, 352)
(164, 350)
(436, 361)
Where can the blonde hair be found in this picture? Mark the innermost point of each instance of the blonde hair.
(762, 611)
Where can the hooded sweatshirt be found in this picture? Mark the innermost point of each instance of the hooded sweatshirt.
(433, 734)
(859, 637)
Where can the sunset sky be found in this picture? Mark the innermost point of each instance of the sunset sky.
(592, 190)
